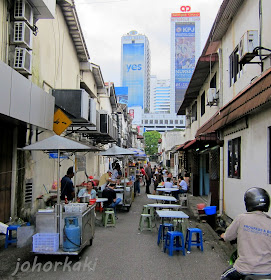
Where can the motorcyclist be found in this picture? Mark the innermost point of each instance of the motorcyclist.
(253, 233)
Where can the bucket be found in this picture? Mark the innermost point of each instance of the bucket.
(210, 210)
(92, 201)
(200, 206)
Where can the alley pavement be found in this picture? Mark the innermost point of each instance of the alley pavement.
(124, 252)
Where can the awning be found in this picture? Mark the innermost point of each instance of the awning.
(248, 101)
(203, 141)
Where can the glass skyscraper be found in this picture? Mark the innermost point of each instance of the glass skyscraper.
(135, 69)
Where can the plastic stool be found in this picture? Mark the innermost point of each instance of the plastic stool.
(145, 218)
(173, 243)
(109, 218)
(9, 238)
(183, 200)
(148, 210)
(161, 231)
(190, 242)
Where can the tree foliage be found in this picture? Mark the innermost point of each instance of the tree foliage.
(151, 142)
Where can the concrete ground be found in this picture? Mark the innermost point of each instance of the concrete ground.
(123, 252)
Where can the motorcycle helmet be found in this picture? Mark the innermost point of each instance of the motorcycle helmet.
(257, 199)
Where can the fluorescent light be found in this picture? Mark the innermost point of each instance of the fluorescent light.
(197, 149)
(206, 146)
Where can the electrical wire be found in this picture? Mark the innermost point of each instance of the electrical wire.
(103, 2)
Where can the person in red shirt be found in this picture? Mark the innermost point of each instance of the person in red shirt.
(142, 170)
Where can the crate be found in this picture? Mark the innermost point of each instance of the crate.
(75, 207)
(45, 242)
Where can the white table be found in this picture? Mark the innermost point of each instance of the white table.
(161, 197)
(167, 189)
(164, 205)
(101, 199)
(173, 215)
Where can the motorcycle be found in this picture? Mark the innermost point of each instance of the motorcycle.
(233, 258)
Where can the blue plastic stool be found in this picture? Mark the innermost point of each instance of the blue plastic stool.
(190, 242)
(9, 238)
(173, 243)
(161, 231)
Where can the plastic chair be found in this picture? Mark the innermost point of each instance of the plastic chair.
(143, 219)
(161, 231)
(9, 238)
(174, 242)
(196, 242)
(109, 218)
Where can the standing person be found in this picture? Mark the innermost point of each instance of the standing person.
(142, 170)
(137, 180)
(253, 233)
(110, 194)
(67, 188)
(105, 179)
(148, 172)
(88, 191)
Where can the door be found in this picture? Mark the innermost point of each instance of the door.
(6, 140)
(204, 174)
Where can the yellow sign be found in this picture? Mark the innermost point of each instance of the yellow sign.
(61, 122)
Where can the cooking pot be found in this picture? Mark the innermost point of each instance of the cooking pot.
(84, 199)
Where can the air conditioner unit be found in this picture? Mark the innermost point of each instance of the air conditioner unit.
(22, 34)
(92, 111)
(23, 11)
(247, 44)
(74, 102)
(22, 60)
(212, 96)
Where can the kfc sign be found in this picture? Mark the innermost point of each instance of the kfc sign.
(185, 8)
(132, 113)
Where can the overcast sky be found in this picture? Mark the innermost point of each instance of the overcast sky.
(104, 22)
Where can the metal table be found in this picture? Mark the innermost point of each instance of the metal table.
(162, 197)
(164, 205)
(173, 215)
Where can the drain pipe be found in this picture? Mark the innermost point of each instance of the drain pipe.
(221, 181)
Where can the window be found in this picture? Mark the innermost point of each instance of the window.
(151, 121)
(146, 121)
(202, 104)
(194, 112)
(235, 67)
(156, 121)
(161, 121)
(166, 121)
(213, 82)
(171, 121)
(234, 158)
(176, 121)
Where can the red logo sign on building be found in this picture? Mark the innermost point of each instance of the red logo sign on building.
(185, 8)
(132, 113)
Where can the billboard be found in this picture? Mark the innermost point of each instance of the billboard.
(133, 73)
(122, 95)
(184, 58)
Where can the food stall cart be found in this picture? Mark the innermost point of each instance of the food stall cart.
(125, 189)
(66, 222)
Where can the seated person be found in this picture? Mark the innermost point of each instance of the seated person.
(105, 179)
(168, 183)
(110, 194)
(87, 191)
(182, 187)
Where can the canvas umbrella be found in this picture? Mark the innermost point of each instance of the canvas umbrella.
(59, 144)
